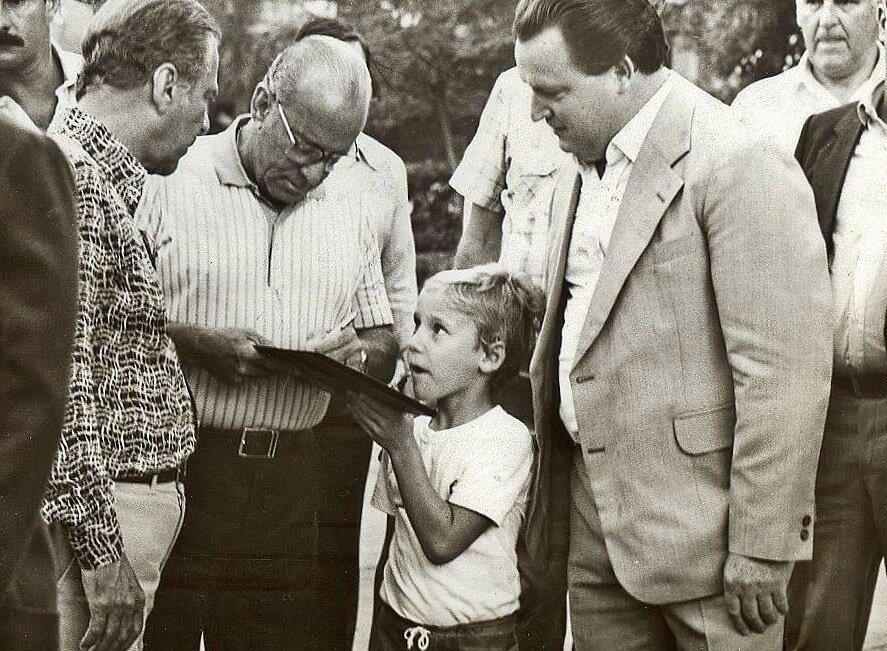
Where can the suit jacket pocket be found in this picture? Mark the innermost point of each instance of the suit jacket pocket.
(663, 251)
(705, 431)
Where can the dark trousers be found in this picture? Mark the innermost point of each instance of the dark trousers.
(345, 457)
(29, 618)
(242, 572)
(392, 632)
(830, 597)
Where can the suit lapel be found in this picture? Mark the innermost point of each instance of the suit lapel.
(563, 210)
(829, 171)
(651, 187)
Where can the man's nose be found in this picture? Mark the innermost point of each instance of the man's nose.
(539, 110)
(204, 128)
(828, 14)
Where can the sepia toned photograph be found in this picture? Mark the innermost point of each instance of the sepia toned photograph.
(443, 325)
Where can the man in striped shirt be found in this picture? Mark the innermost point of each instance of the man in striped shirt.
(258, 239)
(114, 498)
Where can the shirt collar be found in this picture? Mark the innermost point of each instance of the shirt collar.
(226, 158)
(867, 109)
(71, 64)
(229, 168)
(363, 151)
(809, 81)
(630, 139)
(126, 174)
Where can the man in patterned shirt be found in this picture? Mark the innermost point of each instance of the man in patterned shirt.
(114, 499)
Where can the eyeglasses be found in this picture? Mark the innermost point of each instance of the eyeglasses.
(304, 152)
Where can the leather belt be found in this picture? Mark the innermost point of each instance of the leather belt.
(871, 385)
(162, 477)
(249, 442)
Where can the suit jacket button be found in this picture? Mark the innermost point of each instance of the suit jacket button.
(805, 534)
(805, 521)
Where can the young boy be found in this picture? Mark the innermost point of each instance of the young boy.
(456, 485)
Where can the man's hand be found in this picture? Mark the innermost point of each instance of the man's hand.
(342, 345)
(755, 592)
(229, 354)
(116, 607)
(390, 429)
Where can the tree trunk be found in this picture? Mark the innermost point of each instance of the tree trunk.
(442, 109)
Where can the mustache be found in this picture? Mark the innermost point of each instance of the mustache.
(11, 39)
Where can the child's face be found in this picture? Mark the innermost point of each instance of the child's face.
(444, 355)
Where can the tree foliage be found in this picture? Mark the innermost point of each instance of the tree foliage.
(436, 62)
(738, 41)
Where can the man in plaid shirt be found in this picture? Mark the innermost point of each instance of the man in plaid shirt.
(506, 178)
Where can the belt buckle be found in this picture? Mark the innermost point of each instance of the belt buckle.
(256, 443)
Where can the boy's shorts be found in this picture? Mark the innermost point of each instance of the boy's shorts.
(391, 632)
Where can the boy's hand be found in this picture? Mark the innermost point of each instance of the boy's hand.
(390, 429)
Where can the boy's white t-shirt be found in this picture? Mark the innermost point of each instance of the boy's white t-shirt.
(485, 466)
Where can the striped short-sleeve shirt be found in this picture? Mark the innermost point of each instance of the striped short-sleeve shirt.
(226, 259)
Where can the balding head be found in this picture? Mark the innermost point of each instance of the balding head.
(326, 75)
(307, 111)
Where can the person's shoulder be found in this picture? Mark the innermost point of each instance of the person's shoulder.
(379, 156)
(509, 83)
(17, 139)
(827, 120)
(767, 92)
(196, 169)
(503, 431)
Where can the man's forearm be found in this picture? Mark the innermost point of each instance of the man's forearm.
(481, 238)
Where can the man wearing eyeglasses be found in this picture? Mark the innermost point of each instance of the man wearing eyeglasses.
(257, 240)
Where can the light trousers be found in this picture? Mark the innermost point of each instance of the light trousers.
(150, 517)
(605, 617)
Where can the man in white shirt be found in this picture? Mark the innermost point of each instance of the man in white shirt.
(36, 77)
(843, 63)
(688, 309)
(844, 154)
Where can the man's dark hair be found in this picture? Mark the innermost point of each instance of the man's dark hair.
(343, 32)
(127, 41)
(598, 33)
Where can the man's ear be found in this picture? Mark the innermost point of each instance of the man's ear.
(625, 71)
(164, 87)
(261, 103)
(494, 357)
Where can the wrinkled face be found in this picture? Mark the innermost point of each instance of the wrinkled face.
(444, 355)
(298, 141)
(189, 117)
(837, 34)
(24, 31)
(580, 108)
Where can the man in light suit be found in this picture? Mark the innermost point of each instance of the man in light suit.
(38, 304)
(682, 372)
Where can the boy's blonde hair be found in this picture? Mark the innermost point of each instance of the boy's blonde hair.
(505, 307)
